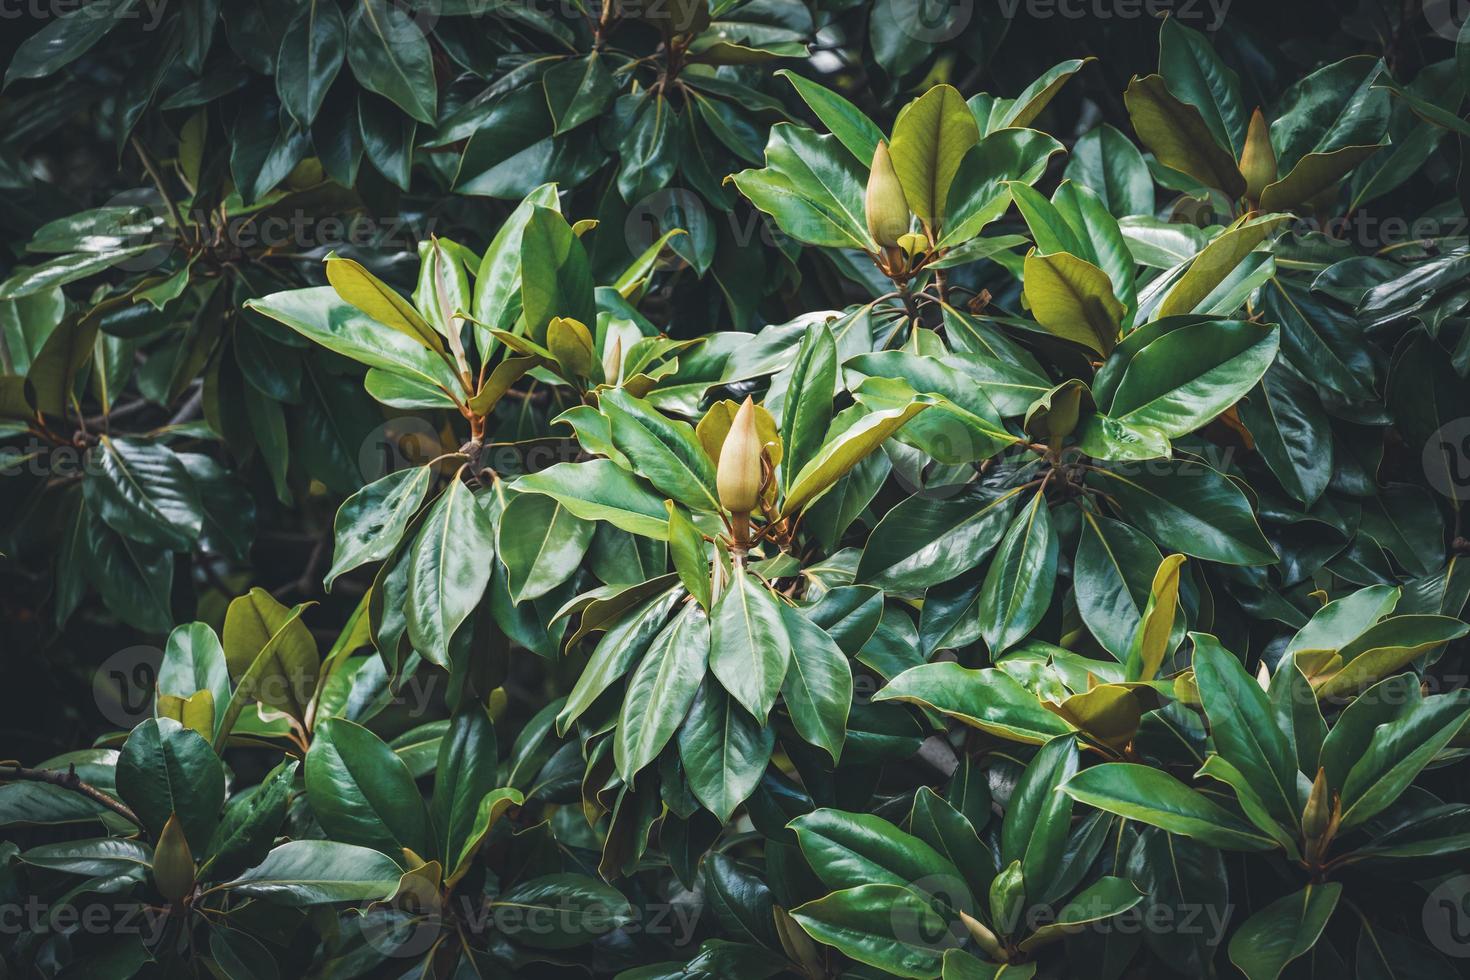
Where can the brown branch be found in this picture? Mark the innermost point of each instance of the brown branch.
(71, 781)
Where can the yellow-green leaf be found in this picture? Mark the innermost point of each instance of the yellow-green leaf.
(1073, 299)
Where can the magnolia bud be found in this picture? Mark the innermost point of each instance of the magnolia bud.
(888, 209)
(173, 863)
(1258, 159)
(983, 937)
(1008, 898)
(612, 361)
(1317, 814)
(738, 475)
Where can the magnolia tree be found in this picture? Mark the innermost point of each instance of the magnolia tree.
(1051, 570)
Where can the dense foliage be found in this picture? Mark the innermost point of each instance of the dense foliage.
(683, 489)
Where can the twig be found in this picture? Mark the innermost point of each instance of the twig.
(70, 780)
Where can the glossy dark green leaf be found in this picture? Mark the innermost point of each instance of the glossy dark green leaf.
(1189, 508)
(303, 873)
(818, 688)
(390, 55)
(312, 49)
(1151, 796)
(1283, 931)
(449, 568)
(371, 522)
(145, 492)
(661, 690)
(361, 791)
(724, 750)
(541, 544)
(750, 650)
(1018, 586)
(164, 770)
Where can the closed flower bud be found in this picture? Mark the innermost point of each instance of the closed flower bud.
(738, 475)
(173, 863)
(888, 209)
(1258, 159)
(983, 937)
(1317, 814)
(612, 361)
(1008, 898)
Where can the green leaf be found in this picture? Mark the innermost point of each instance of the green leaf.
(601, 490)
(811, 187)
(144, 491)
(661, 690)
(1113, 577)
(1216, 261)
(361, 791)
(323, 317)
(1038, 816)
(663, 450)
(818, 687)
(98, 858)
(1105, 898)
(371, 522)
(1197, 77)
(988, 699)
(690, 554)
(724, 750)
(1018, 585)
(449, 568)
(1187, 507)
(841, 452)
(303, 873)
(389, 55)
(1329, 122)
(577, 91)
(1149, 796)
(930, 138)
(749, 648)
(498, 281)
(1398, 751)
(980, 192)
(1154, 639)
(886, 926)
(806, 410)
(851, 849)
(465, 772)
(1290, 429)
(250, 824)
(365, 291)
(1179, 136)
(1106, 161)
(1283, 931)
(194, 660)
(626, 639)
(843, 120)
(1382, 649)
(312, 49)
(66, 38)
(555, 279)
(271, 655)
(541, 543)
(164, 770)
(1073, 299)
(1244, 729)
(491, 807)
(578, 908)
(926, 540)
